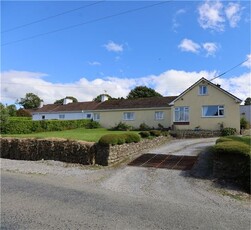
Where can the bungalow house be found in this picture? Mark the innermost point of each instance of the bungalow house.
(204, 105)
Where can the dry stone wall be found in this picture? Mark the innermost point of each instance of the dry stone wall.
(81, 152)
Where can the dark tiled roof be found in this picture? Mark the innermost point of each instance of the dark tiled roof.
(152, 102)
(76, 106)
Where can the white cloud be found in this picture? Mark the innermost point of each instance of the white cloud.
(210, 15)
(114, 47)
(233, 14)
(176, 24)
(168, 83)
(248, 62)
(210, 48)
(188, 45)
(94, 63)
(214, 15)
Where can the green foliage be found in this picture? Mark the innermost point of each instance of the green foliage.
(23, 113)
(144, 134)
(223, 139)
(155, 133)
(141, 92)
(12, 110)
(121, 126)
(118, 139)
(144, 127)
(246, 140)
(243, 123)
(30, 101)
(29, 126)
(228, 131)
(247, 101)
(61, 101)
(92, 125)
(232, 147)
(4, 117)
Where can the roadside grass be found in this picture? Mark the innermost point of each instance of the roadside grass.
(91, 135)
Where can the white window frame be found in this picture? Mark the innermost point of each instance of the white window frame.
(182, 109)
(203, 90)
(220, 110)
(96, 116)
(61, 116)
(128, 116)
(159, 115)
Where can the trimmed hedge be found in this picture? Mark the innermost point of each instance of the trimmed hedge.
(118, 139)
(29, 126)
(233, 158)
(144, 134)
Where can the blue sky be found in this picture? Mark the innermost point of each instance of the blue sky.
(83, 48)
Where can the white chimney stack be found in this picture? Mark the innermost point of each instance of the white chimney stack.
(67, 101)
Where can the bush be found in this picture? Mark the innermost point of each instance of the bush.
(118, 139)
(144, 127)
(92, 125)
(122, 127)
(155, 133)
(228, 131)
(244, 123)
(144, 134)
(222, 139)
(132, 137)
(232, 147)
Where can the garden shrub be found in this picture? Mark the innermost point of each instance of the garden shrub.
(244, 123)
(165, 133)
(144, 134)
(121, 126)
(228, 131)
(92, 125)
(223, 139)
(131, 137)
(155, 133)
(118, 139)
(144, 127)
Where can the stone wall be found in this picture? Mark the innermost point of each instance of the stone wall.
(48, 149)
(107, 155)
(73, 151)
(195, 133)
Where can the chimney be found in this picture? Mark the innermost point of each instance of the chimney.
(104, 98)
(41, 104)
(218, 85)
(67, 101)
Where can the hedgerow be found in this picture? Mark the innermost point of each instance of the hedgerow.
(28, 126)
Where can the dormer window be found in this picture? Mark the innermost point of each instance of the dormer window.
(203, 90)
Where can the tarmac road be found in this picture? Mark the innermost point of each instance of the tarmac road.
(52, 195)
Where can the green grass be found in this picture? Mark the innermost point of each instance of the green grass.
(245, 139)
(92, 135)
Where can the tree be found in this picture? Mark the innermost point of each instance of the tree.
(31, 101)
(23, 113)
(4, 117)
(61, 101)
(142, 91)
(247, 101)
(98, 98)
(12, 110)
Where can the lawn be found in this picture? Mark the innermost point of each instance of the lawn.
(92, 135)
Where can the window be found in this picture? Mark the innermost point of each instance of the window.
(43, 117)
(181, 114)
(159, 115)
(96, 117)
(213, 111)
(88, 115)
(61, 116)
(128, 116)
(203, 90)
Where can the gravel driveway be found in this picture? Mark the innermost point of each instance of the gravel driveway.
(176, 190)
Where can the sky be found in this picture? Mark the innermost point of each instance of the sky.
(82, 49)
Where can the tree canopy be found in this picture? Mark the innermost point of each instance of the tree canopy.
(61, 101)
(142, 91)
(247, 101)
(30, 101)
